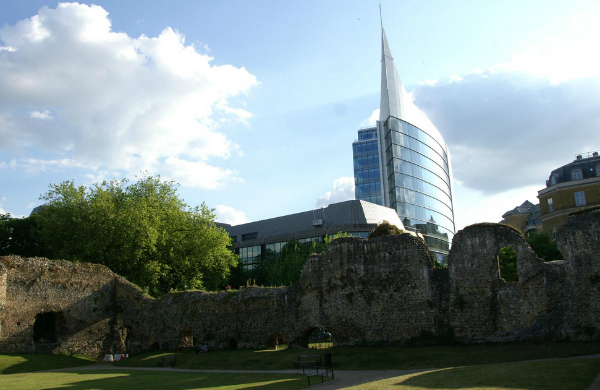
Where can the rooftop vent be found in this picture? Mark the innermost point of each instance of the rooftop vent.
(317, 222)
(578, 157)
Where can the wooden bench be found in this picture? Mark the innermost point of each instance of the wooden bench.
(167, 359)
(322, 374)
(308, 361)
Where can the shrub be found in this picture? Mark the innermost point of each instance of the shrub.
(385, 229)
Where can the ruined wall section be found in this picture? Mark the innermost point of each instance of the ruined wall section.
(370, 291)
(579, 242)
(79, 294)
(227, 319)
(380, 290)
(482, 305)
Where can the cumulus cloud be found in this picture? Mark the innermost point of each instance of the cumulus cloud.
(40, 115)
(226, 214)
(343, 189)
(372, 119)
(116, 102)
(510, 129)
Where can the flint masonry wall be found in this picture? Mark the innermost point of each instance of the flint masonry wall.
(381, 290)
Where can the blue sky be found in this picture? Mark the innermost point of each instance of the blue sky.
(253, 105)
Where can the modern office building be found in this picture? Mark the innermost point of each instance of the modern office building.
(257, 241)
(404, 163)
(570, 188)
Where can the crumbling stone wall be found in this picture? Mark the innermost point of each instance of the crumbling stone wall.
(483, 305)
(579, 241)
(370, 291)
(81, 295)
(382, 290)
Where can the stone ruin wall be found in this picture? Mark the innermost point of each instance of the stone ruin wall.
(377, 291)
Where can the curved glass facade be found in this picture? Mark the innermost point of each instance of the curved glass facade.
(418, 178)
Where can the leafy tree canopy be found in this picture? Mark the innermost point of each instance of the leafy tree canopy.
(20, 236)
(543, 246)
(140, 230)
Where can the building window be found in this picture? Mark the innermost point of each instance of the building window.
(580, 198)
(553, 180)
(250, 236)
(553, 232)
(576, 174)
(598, 170)
(550, 205)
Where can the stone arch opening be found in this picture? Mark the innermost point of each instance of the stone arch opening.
(507, 264)
(155, 347)
(319, 338)
(45, 327)
(186, 338)
(230, 343)
(276, 341)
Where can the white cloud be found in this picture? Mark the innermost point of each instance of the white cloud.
(472, 206)
(343, 189)
(511, 129)
(226, 214)
(197, 173)
(567, 55)
(455, 77)
(428, 82)
(41, 114)
(117, 102)
(35, 166)
(371, 120)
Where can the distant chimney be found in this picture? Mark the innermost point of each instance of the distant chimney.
(578, 157)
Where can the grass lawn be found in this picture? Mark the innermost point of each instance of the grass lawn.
(28, 362)
(572, 374)
(150, 380)
(371, 358)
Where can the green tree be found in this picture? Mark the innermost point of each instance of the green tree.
(543, 246)
(20, 236)
(507, 257)
(140, 230)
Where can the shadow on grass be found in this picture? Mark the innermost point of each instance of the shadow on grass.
(151, 380)
(568, 374)
(30, 362)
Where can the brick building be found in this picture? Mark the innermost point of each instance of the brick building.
(570, 188)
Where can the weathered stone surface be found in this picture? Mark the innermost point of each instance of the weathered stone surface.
(381, 290)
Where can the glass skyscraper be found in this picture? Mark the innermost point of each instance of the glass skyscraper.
(404, 163)
(367, 175)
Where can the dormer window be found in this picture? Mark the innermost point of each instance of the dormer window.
(576, 174)
(553, 180)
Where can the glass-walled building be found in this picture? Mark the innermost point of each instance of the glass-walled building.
(418, 183)
(414, 170)
(259, 241)
(367, 175)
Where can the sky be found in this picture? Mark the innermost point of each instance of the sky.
(252, 106)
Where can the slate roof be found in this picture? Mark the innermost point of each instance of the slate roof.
(526, 208)
(563, 174)
(359, 214)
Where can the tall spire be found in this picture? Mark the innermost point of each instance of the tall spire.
(391, 103)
